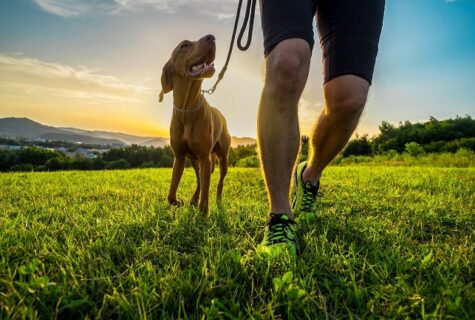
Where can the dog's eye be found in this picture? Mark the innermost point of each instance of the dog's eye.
(184, 45)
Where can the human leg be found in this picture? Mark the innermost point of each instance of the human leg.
(278, 131)
(349, 35)
(345, 97)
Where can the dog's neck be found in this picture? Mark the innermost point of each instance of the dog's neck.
(187, 94)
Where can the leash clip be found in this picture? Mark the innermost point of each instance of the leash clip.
(209, 91)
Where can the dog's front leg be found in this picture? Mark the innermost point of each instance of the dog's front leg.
(196, 195)
(178, 166)
(205, 177)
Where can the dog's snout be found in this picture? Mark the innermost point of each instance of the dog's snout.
(209, 38)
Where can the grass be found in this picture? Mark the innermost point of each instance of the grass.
(463, 158)
(387, 242)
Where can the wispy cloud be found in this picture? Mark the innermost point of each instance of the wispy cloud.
(27, 75)
(65, 8)
(160, 5)
(220, 9)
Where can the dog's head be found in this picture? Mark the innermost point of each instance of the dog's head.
(191, 60)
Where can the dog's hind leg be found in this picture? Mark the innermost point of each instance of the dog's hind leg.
(223, 170)
(178, 166)
(196, 195)
(214, 159)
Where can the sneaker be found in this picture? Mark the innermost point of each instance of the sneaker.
(280, 237)
(305, 193)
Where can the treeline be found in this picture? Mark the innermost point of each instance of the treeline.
(413, 139)
(39, 159)
(433, 136)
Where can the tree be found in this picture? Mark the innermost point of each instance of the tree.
(358, 147)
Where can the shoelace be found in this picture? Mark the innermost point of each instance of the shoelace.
(310, 193)
(280, 231)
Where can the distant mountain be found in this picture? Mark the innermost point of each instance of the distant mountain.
(81, 139)
(155, 142)
(24, 128)
(29, 129)
(125, 138)
(237, 141)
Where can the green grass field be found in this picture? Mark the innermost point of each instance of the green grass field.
(387, 242)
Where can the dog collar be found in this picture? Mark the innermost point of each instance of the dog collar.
(189, 110)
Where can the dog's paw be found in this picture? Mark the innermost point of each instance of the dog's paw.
(176, 202)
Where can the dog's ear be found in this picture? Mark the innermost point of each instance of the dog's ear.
(167, 83)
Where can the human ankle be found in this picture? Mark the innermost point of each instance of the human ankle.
(309, 176)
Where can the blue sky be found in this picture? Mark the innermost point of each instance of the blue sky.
(96, 64)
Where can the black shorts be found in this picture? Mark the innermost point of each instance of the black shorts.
(349, 31)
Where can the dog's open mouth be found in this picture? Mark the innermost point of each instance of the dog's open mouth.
(200, 68)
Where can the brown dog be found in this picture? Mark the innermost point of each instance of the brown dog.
(197, 130)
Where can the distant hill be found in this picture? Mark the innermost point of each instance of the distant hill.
(237, 141)
(80, 138)
(124, 138)
(28, 129)
(25, 128)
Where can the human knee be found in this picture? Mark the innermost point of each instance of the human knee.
(287, 70)
(346, 98)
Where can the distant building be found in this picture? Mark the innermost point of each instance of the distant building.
(9, 147)
(91, 153)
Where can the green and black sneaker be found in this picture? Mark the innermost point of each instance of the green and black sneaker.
(280, 237)
(305, 193)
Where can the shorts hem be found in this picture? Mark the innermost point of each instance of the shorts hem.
(346, 73)
(271, 44)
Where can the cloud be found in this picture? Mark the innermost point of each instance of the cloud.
(65, 8)
(160, 5)
(77, 96)
(27, 76)
(219, 9)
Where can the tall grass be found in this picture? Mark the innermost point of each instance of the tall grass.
(387, 242)
(463, 158)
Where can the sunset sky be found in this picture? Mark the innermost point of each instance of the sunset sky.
(96, 64)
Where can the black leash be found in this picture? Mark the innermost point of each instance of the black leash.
(248, 21)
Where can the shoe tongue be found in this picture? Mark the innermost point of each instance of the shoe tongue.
(276, 217)
(314, 187)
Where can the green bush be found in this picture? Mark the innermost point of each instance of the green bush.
(98, 164)
(468, 143)
(361, 146)
(248, 162)
(22, 167)
(241, 152)
(81, 163)
(392, 154)
(118, 164)
(57, 163)
(414, 149)
(148, 164)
